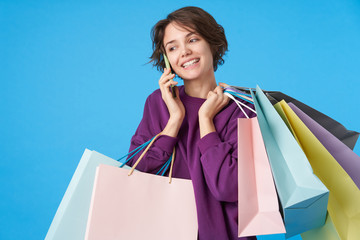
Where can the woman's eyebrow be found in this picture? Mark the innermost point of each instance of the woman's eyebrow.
(187, 35)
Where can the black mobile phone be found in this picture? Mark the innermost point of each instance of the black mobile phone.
(167, 65)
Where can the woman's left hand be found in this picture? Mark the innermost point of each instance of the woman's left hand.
(215, 101)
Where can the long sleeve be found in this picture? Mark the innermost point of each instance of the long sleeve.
(219, 159)
(219, 163)
(154, 119)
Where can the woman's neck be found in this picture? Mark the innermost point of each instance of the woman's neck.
(200, 87)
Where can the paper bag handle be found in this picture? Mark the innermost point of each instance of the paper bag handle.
(145, 151)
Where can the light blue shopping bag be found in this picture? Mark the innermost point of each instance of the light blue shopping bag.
(71, 216)
(302, 195)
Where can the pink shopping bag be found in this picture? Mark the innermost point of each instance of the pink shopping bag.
(259, 212)
(141, 206)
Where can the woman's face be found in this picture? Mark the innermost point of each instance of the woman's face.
(189, 54)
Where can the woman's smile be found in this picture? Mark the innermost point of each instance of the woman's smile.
(191, 64)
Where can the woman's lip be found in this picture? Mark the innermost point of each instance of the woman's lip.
(189, 61)
(192, 66)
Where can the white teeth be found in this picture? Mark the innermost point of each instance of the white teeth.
(185, 65)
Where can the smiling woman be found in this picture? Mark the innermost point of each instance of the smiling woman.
(199, 122)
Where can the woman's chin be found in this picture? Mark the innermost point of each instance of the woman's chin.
(190, 75)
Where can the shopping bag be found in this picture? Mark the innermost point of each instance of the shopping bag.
(141, 206)
(348, 137)
(302, 195)
(71, 216)
(344, 198)
(347, 159)
(326, 232)
(259, 212)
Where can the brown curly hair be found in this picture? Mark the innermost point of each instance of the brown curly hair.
(194, 19)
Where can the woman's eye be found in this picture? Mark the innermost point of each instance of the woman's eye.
(193, 40)
(172, 48)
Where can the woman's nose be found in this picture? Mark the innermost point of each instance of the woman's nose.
(185, 51)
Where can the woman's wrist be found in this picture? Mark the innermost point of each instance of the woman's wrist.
(206, 126)
(172, 127)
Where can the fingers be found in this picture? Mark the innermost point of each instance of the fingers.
(224, 85)
(216, 101)
(166, 80)
(218, 90)
(211, 93)
(226, 99)
(166, 77)
(167, 71)
(167, 84)
(218, 97)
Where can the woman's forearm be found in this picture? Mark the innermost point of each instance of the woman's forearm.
(206, 126)
(172, 127)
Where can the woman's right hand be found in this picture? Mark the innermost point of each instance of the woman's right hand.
(175, 106)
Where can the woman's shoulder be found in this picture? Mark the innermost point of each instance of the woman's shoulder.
(155, 94)
(154, 97)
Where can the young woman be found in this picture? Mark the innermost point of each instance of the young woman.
(200, 121)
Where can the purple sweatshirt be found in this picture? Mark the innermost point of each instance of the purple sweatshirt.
(210, 162)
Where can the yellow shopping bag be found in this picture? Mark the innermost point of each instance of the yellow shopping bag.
(344, 198)
(327, 232)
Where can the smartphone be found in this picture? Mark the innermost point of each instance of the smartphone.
(167, 65)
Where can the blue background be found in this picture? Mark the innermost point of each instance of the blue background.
(74, 76)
